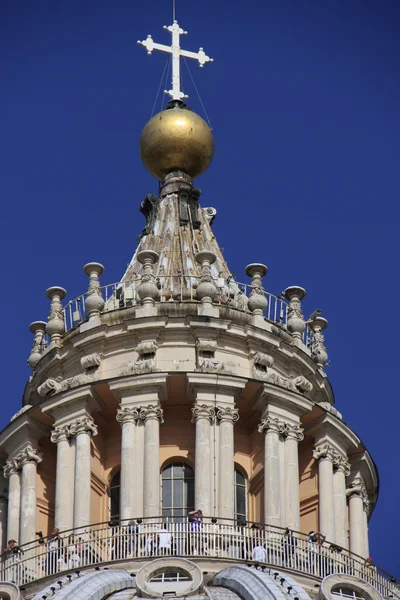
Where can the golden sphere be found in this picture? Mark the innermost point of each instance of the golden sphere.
(176, 139)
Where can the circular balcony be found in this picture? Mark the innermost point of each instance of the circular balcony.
(141, 540)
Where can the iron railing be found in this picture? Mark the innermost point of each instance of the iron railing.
(144, 539)
(178, 288)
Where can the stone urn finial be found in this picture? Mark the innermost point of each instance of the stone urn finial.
(37, 328)
(295, 318)
(148, 291)
(94, 302)
(206, 290)
(55, 323)
(257, 301)
(317, 345)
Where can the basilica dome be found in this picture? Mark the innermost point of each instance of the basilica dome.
(176, 139)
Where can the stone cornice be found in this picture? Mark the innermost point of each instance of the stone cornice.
(150, 387)
(203, 411)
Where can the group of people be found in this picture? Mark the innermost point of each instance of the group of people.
(62, 553)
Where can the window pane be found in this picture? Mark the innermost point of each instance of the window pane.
(178, 493)
(167, 472)
(167, 493)
(240, 500)
(240, 480)
(116, 479)
(115, 503)
(189, 495)
(189, 474)
(178, 470)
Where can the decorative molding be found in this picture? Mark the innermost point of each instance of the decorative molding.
(331, 409)
(127, 414)
(11, 467)
(261, 362)
(295, 384)
(342, 464)
(358, 488)
(49, 387)
(325, 452)
(203, 411)
(151, 411)
(83, 425)
(227, 413)
(20, 412)
(146, 360)
(91, 360)
(294, 432)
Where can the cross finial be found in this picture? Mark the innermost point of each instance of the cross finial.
(177, 52)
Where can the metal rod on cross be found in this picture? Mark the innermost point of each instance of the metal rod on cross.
(175, 93)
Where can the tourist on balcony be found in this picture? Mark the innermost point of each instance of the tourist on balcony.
(164, 541)
(289, 547)
(54, 551)
(314, 540)
(195, 522)
(259, 554)
(10, 559)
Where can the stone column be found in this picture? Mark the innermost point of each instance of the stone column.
(293, 435)
(226, 416)
(3, 517)
(83, 429)
(325, 455)
(12, 472)
(28, 459)
(128, 417)
(366, 505)
(357, 494)
(152, 416)
(65, 474)
(272, 428)
(203, 416)
(341, 469)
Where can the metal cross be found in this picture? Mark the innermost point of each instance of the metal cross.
(176, 52)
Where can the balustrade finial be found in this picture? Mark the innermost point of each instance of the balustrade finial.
(148, 291)
(317, 343)
(55, 323)
(94, 302)
(295, 319)
(37, 328)
(206, 290)
(257, 301)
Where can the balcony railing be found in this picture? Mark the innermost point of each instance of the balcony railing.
(145, 539)
(178, 288)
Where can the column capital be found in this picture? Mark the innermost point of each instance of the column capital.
(128, 414)
(294, 432)
(274, 424)
(227, 413)
(325, 452)
(29, 454)
(11, 467)
(60, 434)
(357, 488)
(341, 463)
(151, 411)
(83, 425)
(203, 411)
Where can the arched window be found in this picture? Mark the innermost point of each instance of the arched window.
(177, 480)
(346, 593)
(240, 497)
(114, 492)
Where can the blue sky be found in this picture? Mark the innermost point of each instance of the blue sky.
(303, 100)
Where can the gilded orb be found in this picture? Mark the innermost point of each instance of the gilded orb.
(176, 139)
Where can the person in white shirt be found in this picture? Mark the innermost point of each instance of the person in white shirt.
(164, 540)
(258, 554)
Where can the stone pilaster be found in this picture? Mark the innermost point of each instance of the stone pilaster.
(273, 469)
(227, 416)
(293, 434)
(325, 454)
(128, 417)
(83, 428)
(13, 474)
(152, 415)
(28, 460)
(341, 470)
(65, 475)
(203, 416)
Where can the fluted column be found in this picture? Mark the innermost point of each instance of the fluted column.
(83, 429)
(28, 459)
(325, 456)
(12, 472)
(128, 417)
(152, 416)
(64, 501)
(226, 416)
(341, 469)
(272, 428)
(203, 416)
(357, 495)
(293, 435)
